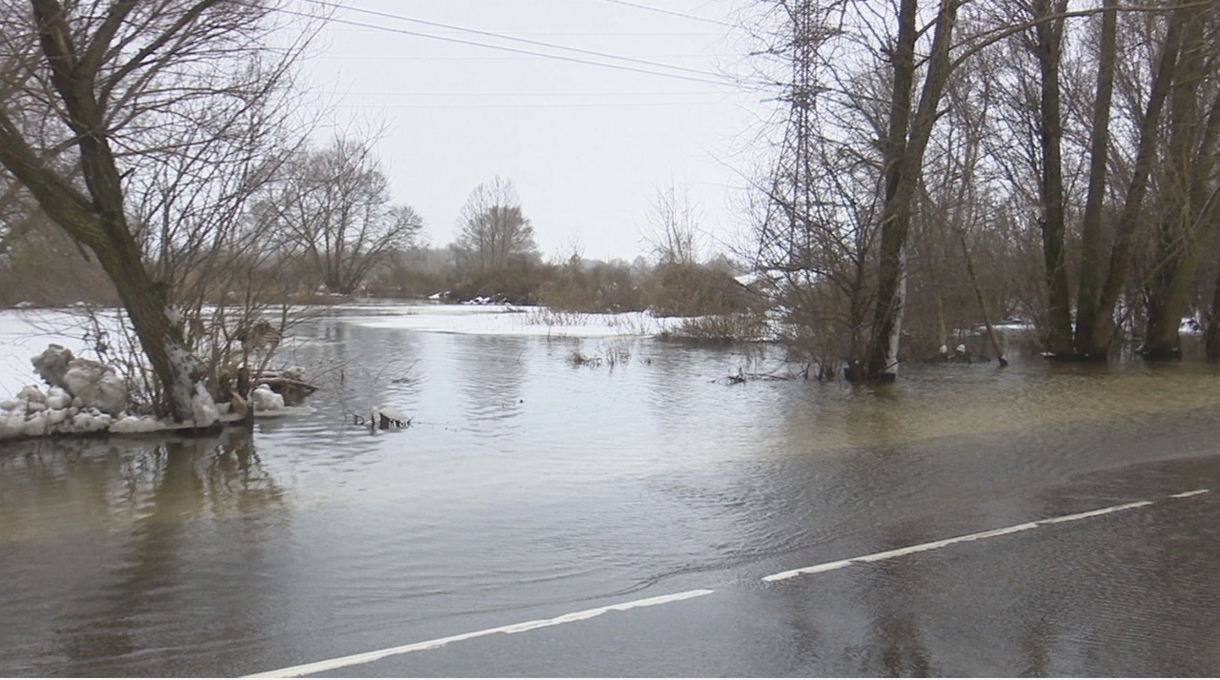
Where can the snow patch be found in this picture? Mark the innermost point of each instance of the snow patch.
(511, 320)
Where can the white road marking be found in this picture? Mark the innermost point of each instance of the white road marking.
(936, 545)
(1094, 513)
(368, 657)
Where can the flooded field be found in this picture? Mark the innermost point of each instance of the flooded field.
(524, 481)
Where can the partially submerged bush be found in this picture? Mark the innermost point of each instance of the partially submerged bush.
(723, 328)
(579, 358)
(616, 355)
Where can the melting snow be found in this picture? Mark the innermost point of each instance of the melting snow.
(511, 320)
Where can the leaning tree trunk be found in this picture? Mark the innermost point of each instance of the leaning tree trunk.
(120, 257)
(1097, 344)
(98, 219)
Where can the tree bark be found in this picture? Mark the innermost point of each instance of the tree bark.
(1097, 344)
(1099, 148)
(1049, 49)
(904, 151)
(98, 219)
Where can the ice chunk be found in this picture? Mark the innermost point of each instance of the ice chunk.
(136, 424)
(32, 395)
(96, 385)
(266, 399)
(35, 425)
(52, 364)
(58, 398)
(203, 407)
(87, 422)
(55, 416)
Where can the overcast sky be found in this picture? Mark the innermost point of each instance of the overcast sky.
(586, 145)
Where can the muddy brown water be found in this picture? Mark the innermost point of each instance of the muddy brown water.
(524, 482)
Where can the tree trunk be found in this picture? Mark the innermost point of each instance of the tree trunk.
(1097, 344)
(98, 219)
(1049, 48)
(1211, 334)
(1186, 205)
(1099, 148)
(904, 152)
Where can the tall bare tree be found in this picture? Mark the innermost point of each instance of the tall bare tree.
(1100, 329)
(1186, 179)
(832, 49)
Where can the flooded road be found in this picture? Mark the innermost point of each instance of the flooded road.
(528, 487)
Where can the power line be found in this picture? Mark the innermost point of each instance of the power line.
(503, 36)
(514, 50)
(416, 57)
(602, 105)
(660, 10)
(612, 34)
(530, 94)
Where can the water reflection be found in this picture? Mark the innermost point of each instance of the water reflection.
(897, 632)
(490, 371)
(114, 540)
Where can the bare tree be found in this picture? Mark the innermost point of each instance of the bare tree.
(332, 208)
(814, 221)
(880, 124)
(673, 226)
(1186, 176)
(910, 123)
(99, 94)
(493, 231)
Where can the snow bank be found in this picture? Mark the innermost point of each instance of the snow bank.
(35, 413)
(25, 333)
(510, 320)
(85, 396)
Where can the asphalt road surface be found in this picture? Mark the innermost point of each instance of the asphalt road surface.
(1119, 575)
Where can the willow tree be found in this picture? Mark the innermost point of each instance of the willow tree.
(99, 94)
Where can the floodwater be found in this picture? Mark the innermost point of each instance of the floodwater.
(524, 483)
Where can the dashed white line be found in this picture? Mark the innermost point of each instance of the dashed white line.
(936, 545)
(368, 657)
(1094, 513)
